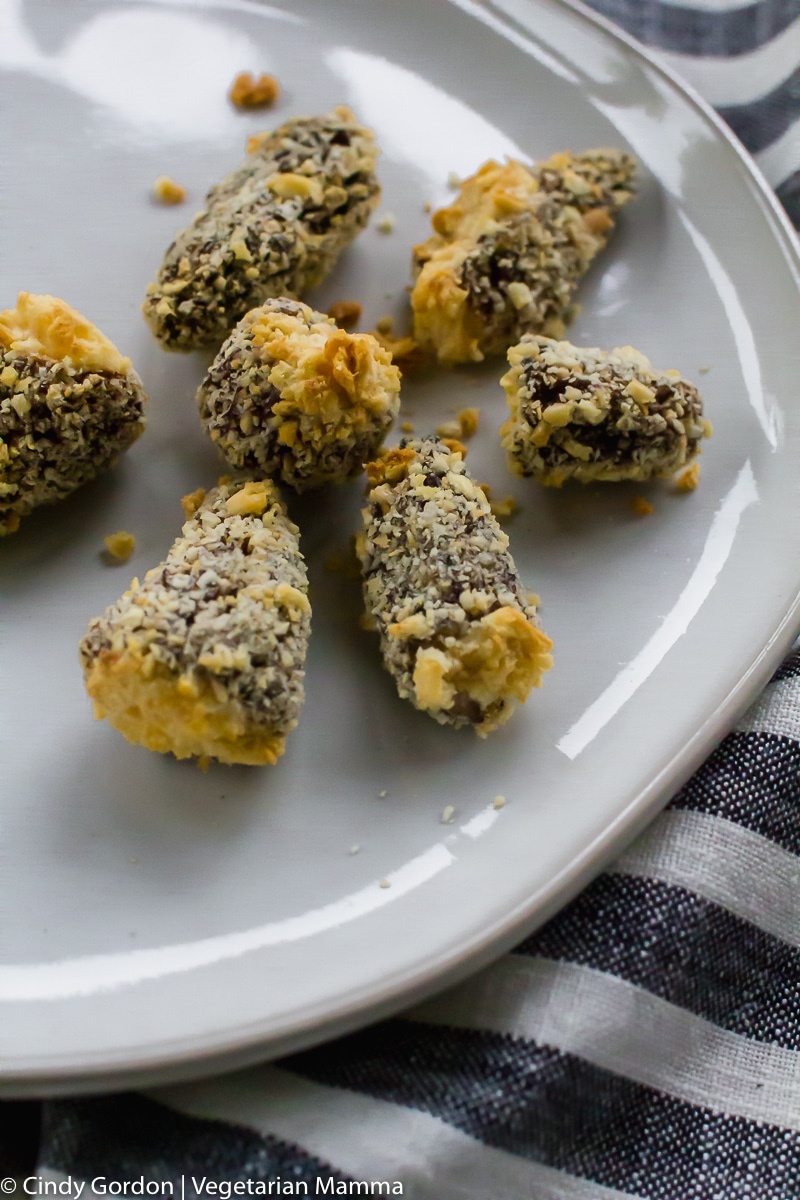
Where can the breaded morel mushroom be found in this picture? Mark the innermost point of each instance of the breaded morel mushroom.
(588, 414)
(205, 657)
(506, 256)
(292, 396)
(70, 403)
(458, 633)
(273, 227)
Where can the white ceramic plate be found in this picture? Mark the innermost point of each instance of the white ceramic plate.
(158, 922)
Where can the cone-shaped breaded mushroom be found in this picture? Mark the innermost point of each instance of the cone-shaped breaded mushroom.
(507, 255)
(292, 396)
(273, 227)
(458, 632)
(590, 414)
(205, 657)
(70, 403)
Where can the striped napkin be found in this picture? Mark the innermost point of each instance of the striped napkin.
(646, 1042)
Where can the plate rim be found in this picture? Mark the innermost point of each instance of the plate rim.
(202, 1055)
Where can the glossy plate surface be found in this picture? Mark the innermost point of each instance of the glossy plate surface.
(156, 922)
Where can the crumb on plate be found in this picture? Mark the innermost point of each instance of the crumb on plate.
(120, 545)
(449, 429)
(167, 191)
(404, 350)
(249, 91)
(641, 506)
(345, 312)
(687, 480)
(468, 421)
(503, 509)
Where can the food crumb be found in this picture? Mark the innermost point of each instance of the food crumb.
(354, 849)
(384, 324)
(192, 502)
(427, 207)
(166, 191)
(133, 860)
(449, 429)
(447, 815)
(407, 427)
(687, 480)
(468, 421)
(386, 223)
(503, 509)
(499, 802)
(345, 312)
(120, 546)
(453, 181)
(404, 350)
(384, 883)
(535, 599)
(703, 370)
(382, 794)
(247, 91)
(642, 507)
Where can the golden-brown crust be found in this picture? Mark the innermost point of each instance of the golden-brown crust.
(166, 714)
(502, 657)
(390, 467)
(45, 325)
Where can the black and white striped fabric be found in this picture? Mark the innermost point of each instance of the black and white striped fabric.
(646, 1042)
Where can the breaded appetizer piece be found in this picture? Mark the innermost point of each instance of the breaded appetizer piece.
(273, 227)
(457, 631)
(205, 657)
(590, 414)
(70, 403)
(507, 255)
(292, 396)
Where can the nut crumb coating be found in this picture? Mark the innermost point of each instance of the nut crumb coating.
(292, 396)
(70, 403)
(205, 657)
(590, 414)
(273, 227)
(457, 630)
(507, 255)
